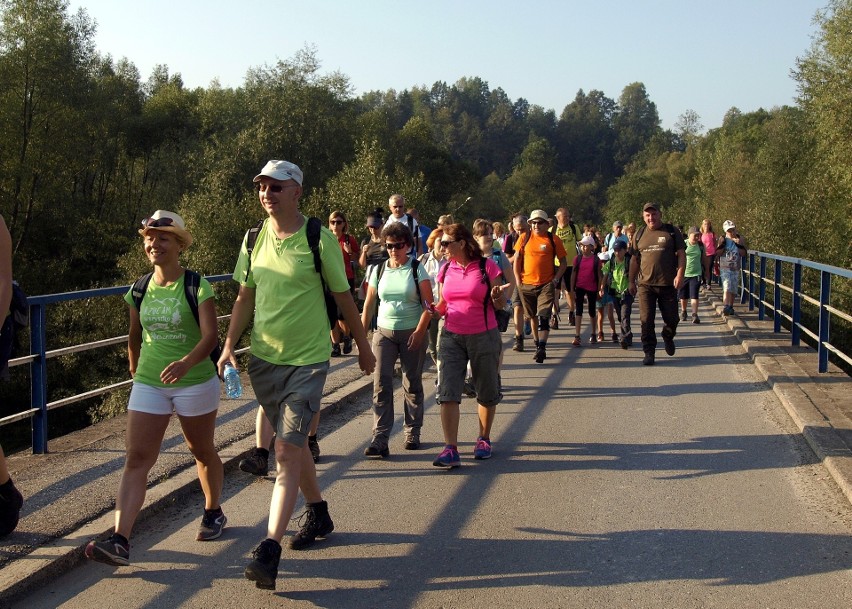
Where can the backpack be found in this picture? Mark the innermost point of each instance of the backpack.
(191, 284)
(17, 321)
(608, 279)
(313, 230)
(415, 264)
(501, 315)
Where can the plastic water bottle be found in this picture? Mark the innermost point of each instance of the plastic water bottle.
(233, 385)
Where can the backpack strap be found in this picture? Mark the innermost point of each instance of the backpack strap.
(251, 240)
(487, 281)
(415, 264)
(137, 292)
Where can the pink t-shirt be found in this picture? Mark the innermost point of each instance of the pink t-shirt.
(464, 292)
(709, 241)
(587, 278)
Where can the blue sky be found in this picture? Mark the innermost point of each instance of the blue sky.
(704, 55)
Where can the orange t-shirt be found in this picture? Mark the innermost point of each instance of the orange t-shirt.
(538, 255)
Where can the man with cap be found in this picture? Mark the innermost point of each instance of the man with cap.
(730, 249)
(617, 234)
(656, 272)
(538, 276)
(688, 290)
(282, 291)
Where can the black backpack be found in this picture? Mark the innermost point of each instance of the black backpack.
(17, 321)
(313, 233)
(191, 284)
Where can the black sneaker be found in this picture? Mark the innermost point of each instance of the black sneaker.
(519, 343)
(648, 360)
(670, 346)
(211, 525)
(114, 551)
(264, 568)
(623, 342)
(11, 501)
(683, 315)
(695, 318)
(255, 463)
(317, 524)
(375, 451)
(335, 349)
(347, 345)
(313, 446)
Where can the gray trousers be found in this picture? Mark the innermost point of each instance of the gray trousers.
(388, 347)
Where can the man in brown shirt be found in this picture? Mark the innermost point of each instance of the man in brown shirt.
(659, 261)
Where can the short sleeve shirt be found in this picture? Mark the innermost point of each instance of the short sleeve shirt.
(568, 238)
(169, 332)
(464, 292)
(657, 251)
(399, 306)
(290, 320)
(538, 258)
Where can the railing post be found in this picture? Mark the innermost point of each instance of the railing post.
(38, 378)
(750, 283)
(776, 297)
(824, 316)
(761, 300)
(796, 314)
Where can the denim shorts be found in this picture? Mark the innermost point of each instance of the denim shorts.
(483, 352)
(192, 401)
(730, 279)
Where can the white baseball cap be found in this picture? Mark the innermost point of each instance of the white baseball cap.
(280, 170)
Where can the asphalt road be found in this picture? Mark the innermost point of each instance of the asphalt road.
(612, 485)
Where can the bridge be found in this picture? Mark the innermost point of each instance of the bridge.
(721, 477)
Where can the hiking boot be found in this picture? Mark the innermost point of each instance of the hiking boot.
(448, 458)
(347, 345)
(114, 551)
(695, 319)
(264, 568)
(683, 315)
(376, 451)
(554, 322)
(670, 346)
(255, 463)
(593, 340)
(576, 341)
(540, 355)
(468, 389)
(335, 349)
(572, 318)
(317, 524)
(648, 360)
(412, 441)
(519, 343)
(11, 501)
(313, 446)
(212, 524)
(482, 449)
(614, 337)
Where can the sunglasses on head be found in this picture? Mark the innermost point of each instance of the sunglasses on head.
(395, 246)
(157, 222)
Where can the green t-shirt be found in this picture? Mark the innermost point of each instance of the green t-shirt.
(399, 307)
(169, 332)
(620, 274)
(290, 321)
(693, 260)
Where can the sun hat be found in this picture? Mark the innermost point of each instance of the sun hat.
(588, 240)
(728, 225)
(167, 221)
(280, 170)
(538, 214)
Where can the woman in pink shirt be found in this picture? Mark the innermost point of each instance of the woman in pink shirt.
(708, 238)
(470, 334)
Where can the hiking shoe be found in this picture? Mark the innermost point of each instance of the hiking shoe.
(683, 315)
(469, 389)
(448, 458)
(264, 568)
(623, 342)
(412, 441)
(572, 318)
(593, 340)
(376, 451)
(576, 341)
(670, 346)
(255, 463)
(614, 337)
(317, 524)
(554, 322)
(11, 501)
(482, 449)
(114, 551)
(335, 349)
(519, 343)
(212, 524)
(313, 446)
(695, 319)
(540, 355)
(347, 345)
(527, 327)
(648, 360)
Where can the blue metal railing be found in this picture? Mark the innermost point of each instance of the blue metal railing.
(755, 292)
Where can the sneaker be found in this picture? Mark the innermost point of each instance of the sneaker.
(412, 441)
(335, 349)
(670, 346)
(614, 337)
(540, 355)
(11, 501)
(593, 340)
(648, 360)
(212, 524)
(255, 463)
(601, 336)
(317, 524)
(695, 319)
(448, 458)
(482, 449)
(554, 322)
(572, 318)
(263, 569)
(376, 451)
(313, 446)
(519, 343)
(114, 551)
(576, 341)
(683, 315)
(347, 345)
(469, 389)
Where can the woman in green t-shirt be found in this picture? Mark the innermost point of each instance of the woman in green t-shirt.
(169, 357)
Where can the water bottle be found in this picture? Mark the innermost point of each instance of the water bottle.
(233, 385)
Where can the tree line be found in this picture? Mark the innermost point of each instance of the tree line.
(88, 148)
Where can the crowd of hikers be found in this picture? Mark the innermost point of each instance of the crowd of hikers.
(405, 292)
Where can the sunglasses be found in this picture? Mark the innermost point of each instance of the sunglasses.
(337, 221)
(534, 222)
(158, 222)
(446, 244)
(272, 187)
(395, 246)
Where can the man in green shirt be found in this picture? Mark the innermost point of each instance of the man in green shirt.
(566, 230)
(290, 349)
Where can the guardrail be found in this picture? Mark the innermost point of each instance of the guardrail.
(755, 293)
(38, 357)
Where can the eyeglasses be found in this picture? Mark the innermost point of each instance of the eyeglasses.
(272, 187)
(337, 221)
(534, 222)
(446, 244)
(396, 246)
(158, 222)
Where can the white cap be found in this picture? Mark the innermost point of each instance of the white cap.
(280, 170)
(728, 225)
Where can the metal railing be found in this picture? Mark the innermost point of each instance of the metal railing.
(755, 293)
(39, 355)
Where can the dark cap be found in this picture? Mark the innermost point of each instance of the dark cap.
(650, 205)
(619, 245)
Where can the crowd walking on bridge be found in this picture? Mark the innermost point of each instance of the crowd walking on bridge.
(449, 292)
